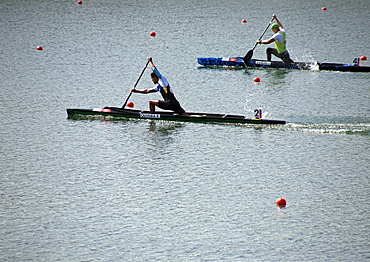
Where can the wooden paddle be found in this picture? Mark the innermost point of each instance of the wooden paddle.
(142, 72)
(249, 55)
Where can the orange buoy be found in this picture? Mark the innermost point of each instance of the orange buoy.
(364, 58)
(281, 202)
(244, 21)
(257, 79)
(323, 9)
(130, 104)
(39, 48)
(153, 34)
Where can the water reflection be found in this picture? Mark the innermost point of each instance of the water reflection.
(163, 128)
(275, 76)
(160, 137)
(278, 76)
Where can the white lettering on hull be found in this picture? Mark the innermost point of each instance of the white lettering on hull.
(144, 115)
(262, 63)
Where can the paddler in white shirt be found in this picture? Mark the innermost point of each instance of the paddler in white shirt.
(279, 38)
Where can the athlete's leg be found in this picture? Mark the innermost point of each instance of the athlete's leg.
(270, 51)
(152, 104)
(286, 57)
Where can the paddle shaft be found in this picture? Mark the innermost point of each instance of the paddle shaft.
(264, 32)
(249, 55)
(142, 72)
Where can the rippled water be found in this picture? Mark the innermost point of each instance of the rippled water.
(90, 190)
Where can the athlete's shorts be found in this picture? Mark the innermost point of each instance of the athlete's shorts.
(169, 105)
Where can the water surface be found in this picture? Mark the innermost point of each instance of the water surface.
(146, 190)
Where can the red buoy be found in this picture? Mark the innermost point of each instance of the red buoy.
(39, 48)
(244, 21)
(79, 2)
(364, 58)
(323, 9)
(281, 202)
(257, 79)
(153, 34)
(130, 104)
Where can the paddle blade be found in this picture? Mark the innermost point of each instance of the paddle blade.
(248, 57)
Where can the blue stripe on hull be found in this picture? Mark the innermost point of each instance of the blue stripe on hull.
(238, 62)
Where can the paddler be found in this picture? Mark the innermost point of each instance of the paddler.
(169, 101)
(279, 38)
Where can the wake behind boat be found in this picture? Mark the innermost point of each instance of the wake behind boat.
(256, 63)
(116, 113)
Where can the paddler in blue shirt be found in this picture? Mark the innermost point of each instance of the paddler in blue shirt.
(279, 38)
(161, 85)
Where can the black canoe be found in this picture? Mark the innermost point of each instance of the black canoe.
(256, 63)
(124, 113)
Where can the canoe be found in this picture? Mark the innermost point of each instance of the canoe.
(125, 113)
(256, 63)
(344, 67)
